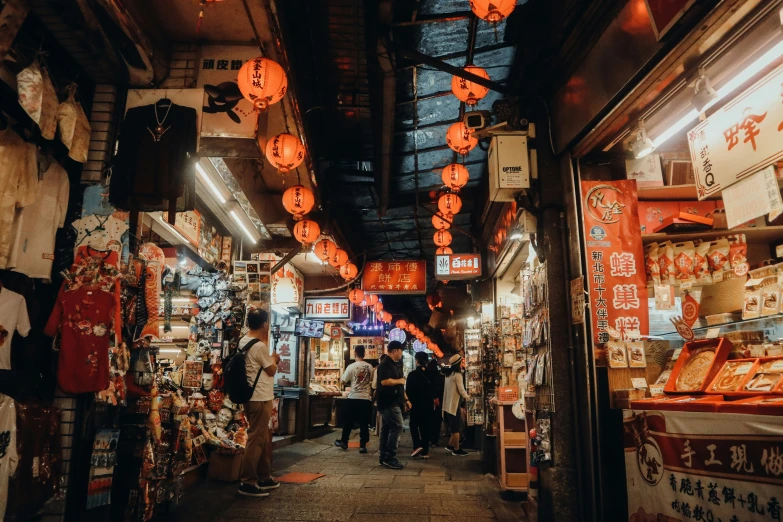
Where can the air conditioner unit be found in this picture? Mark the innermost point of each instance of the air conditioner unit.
(509, 166)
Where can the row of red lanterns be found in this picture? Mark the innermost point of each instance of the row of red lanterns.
(416, 332)
(358, 296)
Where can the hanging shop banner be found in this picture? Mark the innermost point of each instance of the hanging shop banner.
(328, 308)
(741, 138)
(373, 346)
(665, 13)
(457, 266)
(288, 286)
(615, 258)
(286, 349)
(189, 225)
(395, 277)
(698, 466)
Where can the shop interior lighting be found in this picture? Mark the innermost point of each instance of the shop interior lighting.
(642, 146)
(749, 72)
(213, 188)
(182, 300)
(704, 93)
(516, 233)
(253, 238)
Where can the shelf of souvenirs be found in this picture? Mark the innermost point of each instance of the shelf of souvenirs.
(675, 193)
(767, 234)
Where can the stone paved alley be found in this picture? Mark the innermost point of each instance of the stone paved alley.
(356, 488)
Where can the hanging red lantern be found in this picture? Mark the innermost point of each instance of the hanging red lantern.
(449, 204)
(410, 328)
(356, 296)
(443, 251)
(298, 200)
(378, 307)
(348, 271)
(460, 139)
(306, 231)
(325, 249)
(468, 91)
(401, 324)
(285, 152)
(455, 176)
(387, 317)
(441, 221)
(420, 336)
(371, 299)
(492, 11)
(339, 258)
(442, 238)
(262, 82)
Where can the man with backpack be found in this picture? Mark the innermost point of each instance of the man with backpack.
(257, 394)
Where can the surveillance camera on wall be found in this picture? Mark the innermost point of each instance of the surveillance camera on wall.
(475, 120)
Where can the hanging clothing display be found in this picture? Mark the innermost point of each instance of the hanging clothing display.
(18, 182)
(38, 98)
(155, 167)
(13, 317)
(8, 456)
(74, 126)
(36, 225)
(99, 232)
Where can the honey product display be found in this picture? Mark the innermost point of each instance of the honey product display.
(617, 354)
(697, 365)
(765, 377)
(731, 376)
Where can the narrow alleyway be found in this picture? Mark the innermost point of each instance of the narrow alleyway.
(356, 488)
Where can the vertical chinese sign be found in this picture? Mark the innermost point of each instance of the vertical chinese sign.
(614, 257)
(395, 277)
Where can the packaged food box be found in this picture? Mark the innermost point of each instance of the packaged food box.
(698, 208)
(652, 213)
(731, 376)
(617, 355)
(697, 365)
(684, 222)
(765, 377)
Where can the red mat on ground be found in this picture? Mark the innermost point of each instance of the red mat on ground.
(354, 444)
(299, 478)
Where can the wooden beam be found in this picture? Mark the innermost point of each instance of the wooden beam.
(11, 18)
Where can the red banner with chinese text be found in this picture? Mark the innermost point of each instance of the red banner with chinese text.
(614, 258)
(395, 277)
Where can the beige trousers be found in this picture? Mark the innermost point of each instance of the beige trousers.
(257, 461)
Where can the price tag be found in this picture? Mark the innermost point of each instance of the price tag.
(777, 366)
(779, 251)
(754, 196)
(640, 383)
(656, 390)
(676, 354)
(712, 333)
(744, 368)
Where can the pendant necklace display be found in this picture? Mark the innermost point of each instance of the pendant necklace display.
(159, 131)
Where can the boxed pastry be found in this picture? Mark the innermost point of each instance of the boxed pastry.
(616, 353)
(732, 376)
(764, 405)
(702, 403)
(697, 365)
(765, 377)
(636, 355)
(652, 213)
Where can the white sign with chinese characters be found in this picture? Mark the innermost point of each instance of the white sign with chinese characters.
(741, 138)
(328, 308)
(754, 196)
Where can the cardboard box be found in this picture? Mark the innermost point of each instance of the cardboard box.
(684, 222)
(646, 171)
(652, 213)
(224, 467)
(697, 382)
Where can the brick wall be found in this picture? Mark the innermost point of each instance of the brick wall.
(101, 139)
(183, 72)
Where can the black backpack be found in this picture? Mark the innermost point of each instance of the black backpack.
(239, 390)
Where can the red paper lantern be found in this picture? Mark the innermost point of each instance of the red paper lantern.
(356, 296)
(410, 328)
(441, 221)
(348, 271)
(442, 238)
(298, 200)
(455, 176)
(339, 258)
(262, 82)
(442, 251)
(285, 152)
(466, 90)
(420, 336)
(371, 299)
(325, 249)
(378, 307)
(460, 139)
(387, 317)
(306, 231)
(449, 204)
(402, 323)
(493, 11)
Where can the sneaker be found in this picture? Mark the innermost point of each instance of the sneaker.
(363, 449)
(460, 452)
(450, 448)
(416, 452)
(269, 483)
(251, 490)
(341, 444)
(392, 464)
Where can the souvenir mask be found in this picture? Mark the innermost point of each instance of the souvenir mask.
(205, 302)
(205, 289)
(224, 417)
(228, 404)
(210, 421)
(197, 402)
(216, 400)
(227, 302)
(208, 381)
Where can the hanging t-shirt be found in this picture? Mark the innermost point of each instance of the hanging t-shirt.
(8, 455)
(99, 232)
(18, 185)
(13, 317)
(37, 224)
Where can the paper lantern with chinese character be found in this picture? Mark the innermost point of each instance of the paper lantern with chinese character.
(442, 221)
(285, 152)
(442, 238)
(371, 299)
(339, 258)
(348, 271)
(493, 11)
(262, 82)
(449, 204)
(356, 296)
(466, 90)
(284, 291)
(401, 324)
(455, 176)
(306, 231)
(298, 200)
(442, 251)
(460, 139)
(325, 249)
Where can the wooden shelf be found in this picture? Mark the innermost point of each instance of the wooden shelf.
(327, 368)
(673, 193)
(767, 235)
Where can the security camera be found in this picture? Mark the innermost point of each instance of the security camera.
(475, 120)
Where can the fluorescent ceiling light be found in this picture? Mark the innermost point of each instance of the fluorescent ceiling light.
(170, 350)
(207, 179)
(750, 71)
(253, 239)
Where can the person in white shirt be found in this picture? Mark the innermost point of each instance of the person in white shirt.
(453, 391)
(256, 473)
(357, 408)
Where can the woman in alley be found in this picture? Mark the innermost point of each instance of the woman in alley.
(453, 391)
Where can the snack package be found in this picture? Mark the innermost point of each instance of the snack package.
(718, 258)
(752, 307)
(767, 376)
(684, 262)
(701, 268)
(636, 356)
(738, 253)
(774, 350)
(731, 376)
(770, 299)
(615, 351)
(666, 262)
(651, 265)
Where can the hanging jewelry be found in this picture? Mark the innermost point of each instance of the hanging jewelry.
(159, 131)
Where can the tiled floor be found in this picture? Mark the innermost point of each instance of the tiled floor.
(356, 488)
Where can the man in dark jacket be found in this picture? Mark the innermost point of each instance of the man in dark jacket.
(420, 393)
(436, 379)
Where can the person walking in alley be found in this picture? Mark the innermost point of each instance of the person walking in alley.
(376, 413)
(453, 391)
(419, 391)
(391, 401)
(256, 472)
(436, 379)
(358, 406)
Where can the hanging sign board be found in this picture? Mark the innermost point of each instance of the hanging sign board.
(395, 277)
(373, 346)
(751, 197)
(578, 300)
(328, 308)
(741, 138)
(189, 225)
(457, 266)
(615, 258)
